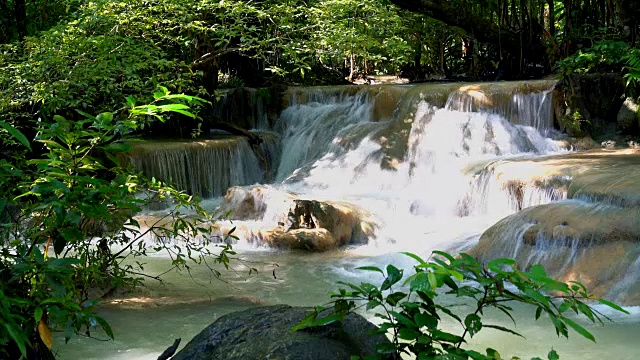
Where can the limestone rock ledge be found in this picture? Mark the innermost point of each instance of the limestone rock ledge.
(594, 243)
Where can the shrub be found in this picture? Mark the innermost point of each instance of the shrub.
(413, 315)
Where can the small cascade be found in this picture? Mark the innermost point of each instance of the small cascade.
(319, 126)
(529, 104)
(437, 161)
(268, 153)
(261, 118)
(205, 168)
(505, 196)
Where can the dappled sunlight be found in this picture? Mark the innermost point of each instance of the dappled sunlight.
(476, 93)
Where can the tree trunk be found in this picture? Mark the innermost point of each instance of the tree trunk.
(552, 20)
(20, 11)
(352, 67)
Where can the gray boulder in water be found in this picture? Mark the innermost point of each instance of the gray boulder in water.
(265, 333)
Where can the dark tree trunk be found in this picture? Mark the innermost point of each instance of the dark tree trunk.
(552, 20)
(5, 33)
(629, 17)
(20, 11)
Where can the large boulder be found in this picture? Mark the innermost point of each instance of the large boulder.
(595, 243)
(627, 116)
(265, 333)
(290, 223)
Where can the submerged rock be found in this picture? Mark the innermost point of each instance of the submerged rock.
(265, 333)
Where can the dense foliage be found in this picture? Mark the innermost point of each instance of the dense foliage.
(412, 312)
(89, 55)
(67, 232)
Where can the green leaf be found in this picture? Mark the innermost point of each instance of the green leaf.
(18, 338)
(394, 298)
(105, 326)
(449, 312)
(63, 262)
(16, 134)
(432, 280)
(496, 265)
(537, 296)
(446, 337)
(612, 305)
(38, 314)
(131, 102)
(372, 304)
(185, 113)
(579, 329)
(445, 255)
(104, 118)
(415, 257)
(393, 276)
(476, 355)
(422, 319)
(326, 320)
(59, 244)
(370, 268)
(402, 319)
(538, 313)
(86, 115)
(408, 334)
(491, 353)
(553, 355)
(52, 144)
(473, 323)
(504, 329)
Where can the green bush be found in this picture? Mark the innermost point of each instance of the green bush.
(603, 56)
(63, 219)
(412, 311)
(632, 76)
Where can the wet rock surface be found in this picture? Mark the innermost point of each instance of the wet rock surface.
(265, 333)
(592, 237)
(589, 242)
(628, 116)
(319, 226)
(290, 223)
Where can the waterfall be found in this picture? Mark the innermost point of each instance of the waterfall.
(422, 155)
(205, 168)
(417, 159)
(529, 104)
(318, 127)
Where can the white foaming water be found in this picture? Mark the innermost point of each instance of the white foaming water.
(331, 152)
(312, 130)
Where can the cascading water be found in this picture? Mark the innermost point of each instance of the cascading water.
(206, 168)
(523, 108)
(413, 167)
(424, 167)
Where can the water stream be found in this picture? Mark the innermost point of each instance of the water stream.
(413, 163)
